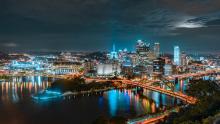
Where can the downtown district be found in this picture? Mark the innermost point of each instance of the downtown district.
(147, 62)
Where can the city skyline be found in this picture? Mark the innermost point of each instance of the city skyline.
(43, 25)
(109, 61)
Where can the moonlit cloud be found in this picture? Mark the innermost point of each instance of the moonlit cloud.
(189, 22)
(189, 25)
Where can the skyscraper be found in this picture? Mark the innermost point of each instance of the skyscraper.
(158, 65)
(157, 49)
(177, 58)
(114, 54)
(183, 59)
(142, 48)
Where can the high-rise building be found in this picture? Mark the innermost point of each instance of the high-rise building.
(114, 54)
(122, 55)
(157, 49)
(143, 51)
(168, 69)
(177, 60)
(183, 59)
(158, 65)
(142, 48)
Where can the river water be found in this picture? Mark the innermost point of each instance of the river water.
(17, 106)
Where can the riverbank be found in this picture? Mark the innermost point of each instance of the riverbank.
(86, 92)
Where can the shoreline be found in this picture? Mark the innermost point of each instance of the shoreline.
(67, 93)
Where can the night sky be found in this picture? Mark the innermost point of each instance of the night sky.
(90, 25)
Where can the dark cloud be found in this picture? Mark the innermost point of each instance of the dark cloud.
(96, 24)
(213, 22)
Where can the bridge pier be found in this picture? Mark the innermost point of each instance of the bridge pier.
(176, 80)
(140, 89)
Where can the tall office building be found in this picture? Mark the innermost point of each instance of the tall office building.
(143, 51)
(177, 59)
(168, 69)
(158, 65)
(183, 59)
(142, 48)
(157, 49)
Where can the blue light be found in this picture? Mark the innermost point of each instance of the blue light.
(24, 65)
(47, 94)
(156, 97)
(53, 92)
(177, 55)
(113, 102)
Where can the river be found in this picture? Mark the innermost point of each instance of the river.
(17, 106)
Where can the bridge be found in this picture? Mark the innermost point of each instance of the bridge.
(198, 74)
(149, 86)
(179, 95)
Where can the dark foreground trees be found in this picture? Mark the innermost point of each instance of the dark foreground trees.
(208, 106)
(78, 84)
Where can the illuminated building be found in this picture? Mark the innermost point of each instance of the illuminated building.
(177, 60)
(23, 65)
(89, 65)
(142, 48)
(168, 69)
(149, 69)
(201, 58)
(143, 52)
(134, 59)
(158, 65)
(108, 69)
(127, 71)
(141, 71)
(157, 49)
(66, 68)
(183, 59)
(127, 61)
(114, 54)
(122, 55)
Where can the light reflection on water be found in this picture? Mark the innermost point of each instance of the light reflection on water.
(126, 102)
(21, 87)
(147, 102)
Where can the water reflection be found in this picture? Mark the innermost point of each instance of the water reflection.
(147, 102)
(19, 88)
(82, 109)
